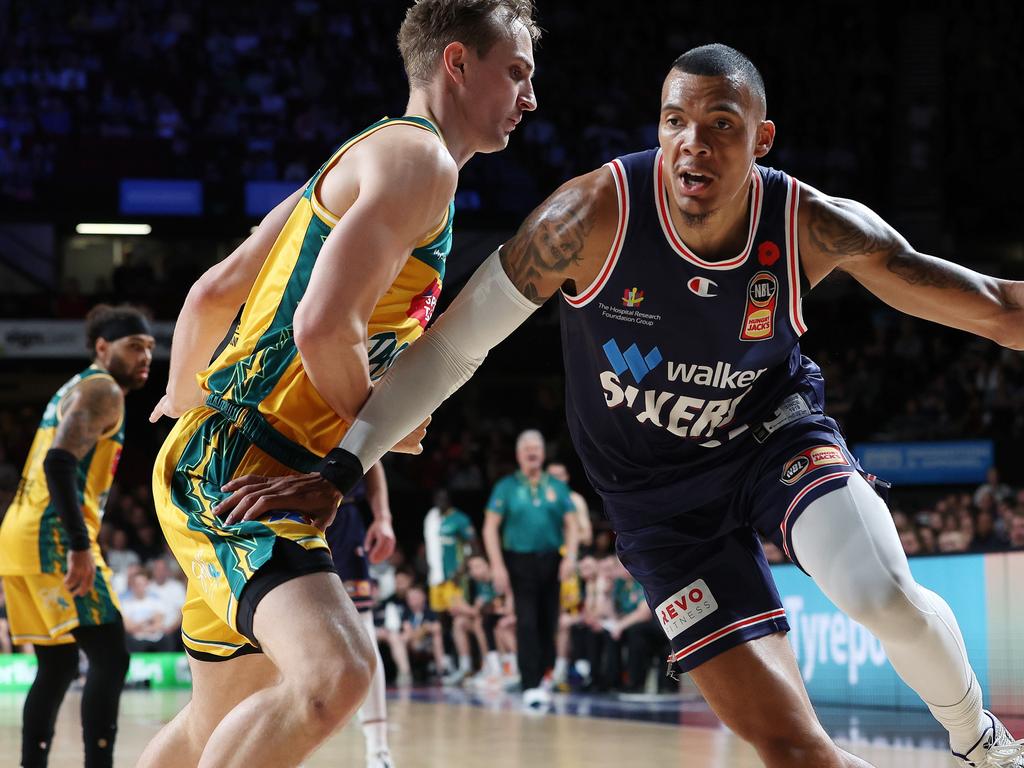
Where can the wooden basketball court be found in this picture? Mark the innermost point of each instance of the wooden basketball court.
(453, 734)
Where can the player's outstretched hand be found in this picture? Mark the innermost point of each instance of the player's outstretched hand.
(380, 541)
(254, 496)
(413, 442)
(81, 572)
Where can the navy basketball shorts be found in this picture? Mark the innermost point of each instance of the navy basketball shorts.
(345, 536)
(704, 572)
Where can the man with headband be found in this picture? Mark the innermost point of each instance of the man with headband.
(58, 587)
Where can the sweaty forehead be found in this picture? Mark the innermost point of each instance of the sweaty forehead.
(683, 89)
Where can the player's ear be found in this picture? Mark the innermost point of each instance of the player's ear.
(454, 60)
(765, 138)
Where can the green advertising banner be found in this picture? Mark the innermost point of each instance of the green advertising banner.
(147, 670)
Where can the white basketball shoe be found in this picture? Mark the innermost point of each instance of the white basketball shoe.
(995, 749)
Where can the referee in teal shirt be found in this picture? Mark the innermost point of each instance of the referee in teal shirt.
(530, 517)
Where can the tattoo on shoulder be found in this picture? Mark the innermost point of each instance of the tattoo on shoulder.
(548, 244)
(94, 410)
(842, 236)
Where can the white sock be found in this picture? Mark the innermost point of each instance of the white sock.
(964, 720)
(847, 542)
(511, 664)
(373, 715)
(465, 664)
(561, 668)
(492, 663)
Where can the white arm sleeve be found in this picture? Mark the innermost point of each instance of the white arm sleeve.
(487, 310)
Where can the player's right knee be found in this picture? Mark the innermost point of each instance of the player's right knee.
(328, 692)
(886, 602)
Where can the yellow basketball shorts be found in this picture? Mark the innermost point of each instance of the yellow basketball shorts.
(42, 611)
(203, 452)
(446, 594)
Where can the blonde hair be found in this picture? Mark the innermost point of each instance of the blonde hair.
(431, 25)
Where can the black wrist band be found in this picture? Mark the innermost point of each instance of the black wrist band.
(340, 468)
(61, 470)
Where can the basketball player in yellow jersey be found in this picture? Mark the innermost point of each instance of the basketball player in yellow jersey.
(58, 587)
(336, 281)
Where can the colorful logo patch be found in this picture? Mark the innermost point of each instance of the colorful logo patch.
(631, 297)
(813, 458)
(762, 298)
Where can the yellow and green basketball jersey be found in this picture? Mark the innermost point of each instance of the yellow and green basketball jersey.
(258, 381)
(32, 537)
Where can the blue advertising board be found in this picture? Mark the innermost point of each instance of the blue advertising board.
(262, 196)
(842, 663)
(938, 463)
(161, 197)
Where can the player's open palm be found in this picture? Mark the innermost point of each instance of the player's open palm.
(81, 572)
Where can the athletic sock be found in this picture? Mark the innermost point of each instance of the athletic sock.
(373, 715)
(511, 665)
(465, 664)
(561, 669)
(964, 720)
(492, 663)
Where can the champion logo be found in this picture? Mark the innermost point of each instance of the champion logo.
(703, 287)
(638, 364)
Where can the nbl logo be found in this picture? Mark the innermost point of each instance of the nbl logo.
(762, 298)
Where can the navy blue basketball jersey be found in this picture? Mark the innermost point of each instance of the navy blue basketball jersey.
(675, 364)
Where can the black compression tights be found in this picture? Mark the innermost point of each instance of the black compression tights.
(58, 666)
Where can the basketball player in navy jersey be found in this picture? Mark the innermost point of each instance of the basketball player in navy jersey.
(699, 422)
(353, 548)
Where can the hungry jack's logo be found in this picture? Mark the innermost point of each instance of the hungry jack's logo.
(631, 297)
(762, 298)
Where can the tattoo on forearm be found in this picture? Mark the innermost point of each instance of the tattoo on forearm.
(548, 243)
(841, 231)
(94, 410)
(916, 269)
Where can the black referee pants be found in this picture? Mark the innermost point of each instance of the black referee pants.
(536, 590)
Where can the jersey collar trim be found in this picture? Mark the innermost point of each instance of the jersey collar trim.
(676, 242)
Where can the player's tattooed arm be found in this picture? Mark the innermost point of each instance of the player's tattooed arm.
(564, 242)
(836, 233)
(91, 410)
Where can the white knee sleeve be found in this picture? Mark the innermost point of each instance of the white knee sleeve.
(847, 542)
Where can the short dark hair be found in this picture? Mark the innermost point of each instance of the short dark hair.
(431, 25)
(717, 60)
(104, 315)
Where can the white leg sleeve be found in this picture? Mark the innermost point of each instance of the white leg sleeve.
(373, 715)
(847, 542)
